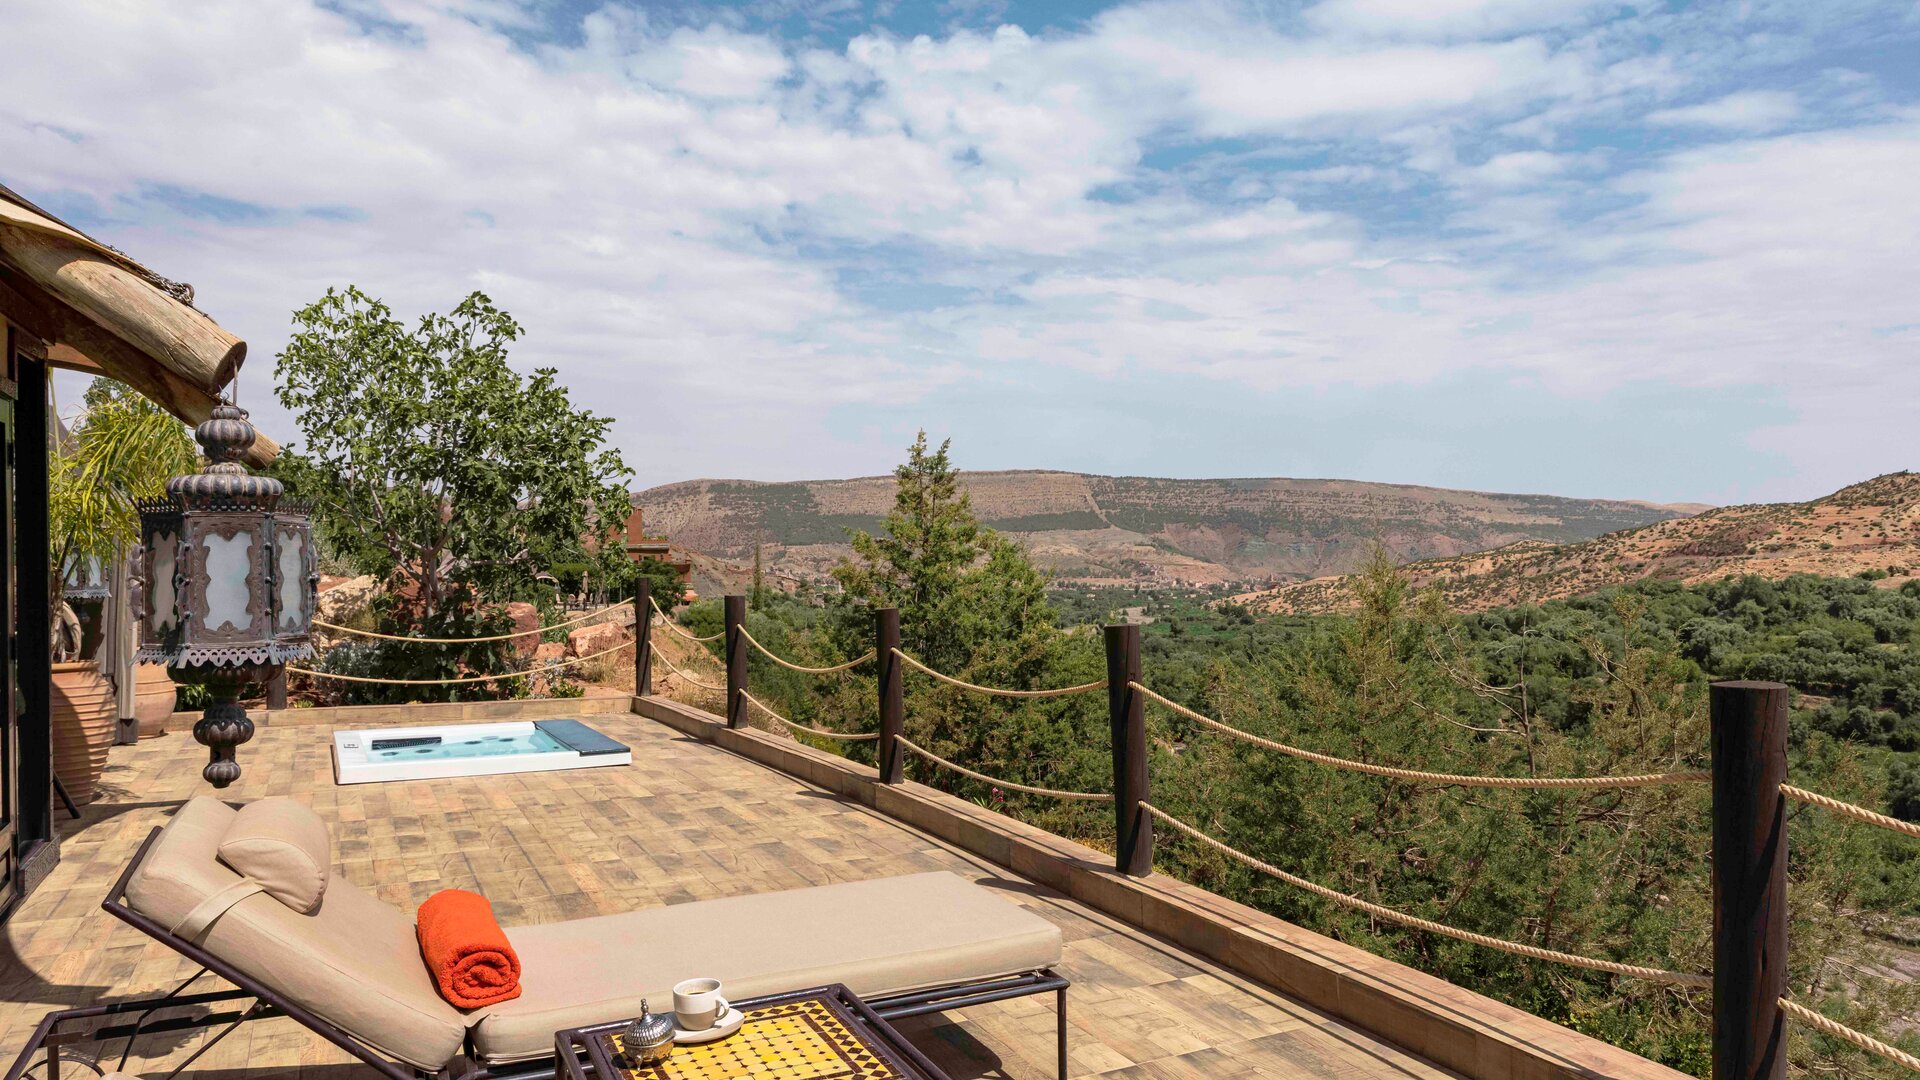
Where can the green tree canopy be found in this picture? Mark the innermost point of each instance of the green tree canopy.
(434, 462)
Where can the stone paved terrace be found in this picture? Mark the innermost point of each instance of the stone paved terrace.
(687, 822)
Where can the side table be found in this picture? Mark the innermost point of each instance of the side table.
(822, 1033)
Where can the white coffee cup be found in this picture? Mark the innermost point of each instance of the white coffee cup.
(697, 1004)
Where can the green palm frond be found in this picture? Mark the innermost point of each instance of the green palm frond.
(123, 447)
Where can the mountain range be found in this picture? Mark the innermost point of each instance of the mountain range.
(1868, 528)
(1137, 530)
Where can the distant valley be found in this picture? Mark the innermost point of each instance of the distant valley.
(1871, 528)
(1134, 530)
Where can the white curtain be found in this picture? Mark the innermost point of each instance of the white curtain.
(117, 645)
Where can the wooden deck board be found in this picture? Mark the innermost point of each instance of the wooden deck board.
(685, 822)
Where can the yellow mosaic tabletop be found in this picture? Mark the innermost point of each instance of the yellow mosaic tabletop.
(804, 1039)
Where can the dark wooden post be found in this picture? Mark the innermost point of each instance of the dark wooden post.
(736, 613)
(33, 618)
(277, 691)
(1127, 714)
(1749, 744)
(893, 693)
(643, 636)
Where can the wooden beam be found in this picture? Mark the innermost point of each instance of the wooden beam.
(79, 344)
(67, 358)
(183, 340)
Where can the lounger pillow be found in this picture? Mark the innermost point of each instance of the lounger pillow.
(282, 845)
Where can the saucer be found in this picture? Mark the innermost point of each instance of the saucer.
(728, 1023)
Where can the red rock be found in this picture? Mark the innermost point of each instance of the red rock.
(525, 617)
(595, 639)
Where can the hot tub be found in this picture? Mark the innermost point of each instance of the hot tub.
(435, 753)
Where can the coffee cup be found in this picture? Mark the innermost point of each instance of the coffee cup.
(697, 1004)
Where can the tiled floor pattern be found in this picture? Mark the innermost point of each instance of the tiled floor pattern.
(686, 822)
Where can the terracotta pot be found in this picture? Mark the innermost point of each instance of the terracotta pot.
(153, 695)
(83, 726)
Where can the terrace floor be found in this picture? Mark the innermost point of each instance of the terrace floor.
(686, 822)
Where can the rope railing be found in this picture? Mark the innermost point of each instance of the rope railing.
(338, 677)
(791, 666)
(675, 668)
(1059, 691)
(1461, 780)
(1847, 809)
(338, 629)
(1082, 796)
(795, 725)
(1840, 1031)
(1744, 707)
(1635, 971)
(681, 630)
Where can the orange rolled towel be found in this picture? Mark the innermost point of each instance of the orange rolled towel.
(469, 956)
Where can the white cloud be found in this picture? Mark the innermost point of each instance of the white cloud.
(1747, 110)
(713, 63)
(697, 222)
(1233, 77)
(1517, 168)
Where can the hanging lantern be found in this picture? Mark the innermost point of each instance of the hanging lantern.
(224, 585)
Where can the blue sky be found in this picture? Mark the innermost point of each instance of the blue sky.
(1648, 250)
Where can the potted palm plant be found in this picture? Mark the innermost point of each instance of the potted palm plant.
(121, 447)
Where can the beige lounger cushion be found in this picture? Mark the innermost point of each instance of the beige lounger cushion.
(878, 937)
(354, 962)
(283, 846)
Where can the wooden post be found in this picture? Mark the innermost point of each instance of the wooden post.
(1749, 745)
(643, 636)
(277, 691)
(736, 614)
(893, 694)
(33, 619)
(1127, 715)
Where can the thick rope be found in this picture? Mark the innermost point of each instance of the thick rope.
(796, 726)
(1846, 1034)
(336, 628)
(1847, 809)
(468, 679)
(1061, 691)
(1647, 780)
(681, 630)
(1630, 970)
(675, 668)
(790, 665)
(1083, 796)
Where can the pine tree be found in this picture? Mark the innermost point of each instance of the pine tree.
(964, 593)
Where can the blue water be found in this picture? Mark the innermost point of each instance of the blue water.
(480, 746)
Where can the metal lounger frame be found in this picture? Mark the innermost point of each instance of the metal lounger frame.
(266, 1003)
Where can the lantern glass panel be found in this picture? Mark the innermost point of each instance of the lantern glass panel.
(86, 578)
(292, 551)
(229, 565)
(163, 615)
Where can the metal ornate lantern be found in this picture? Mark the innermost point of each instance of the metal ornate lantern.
(224, 585)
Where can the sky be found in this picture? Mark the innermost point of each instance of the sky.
(1639, 250)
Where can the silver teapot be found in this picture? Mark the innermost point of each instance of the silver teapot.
(648, 1039)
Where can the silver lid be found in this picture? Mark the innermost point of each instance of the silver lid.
(647, 1031)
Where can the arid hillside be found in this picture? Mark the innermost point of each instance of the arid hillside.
(1872, 526)
(1140, 529)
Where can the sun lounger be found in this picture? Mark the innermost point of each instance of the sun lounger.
(350, 968)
